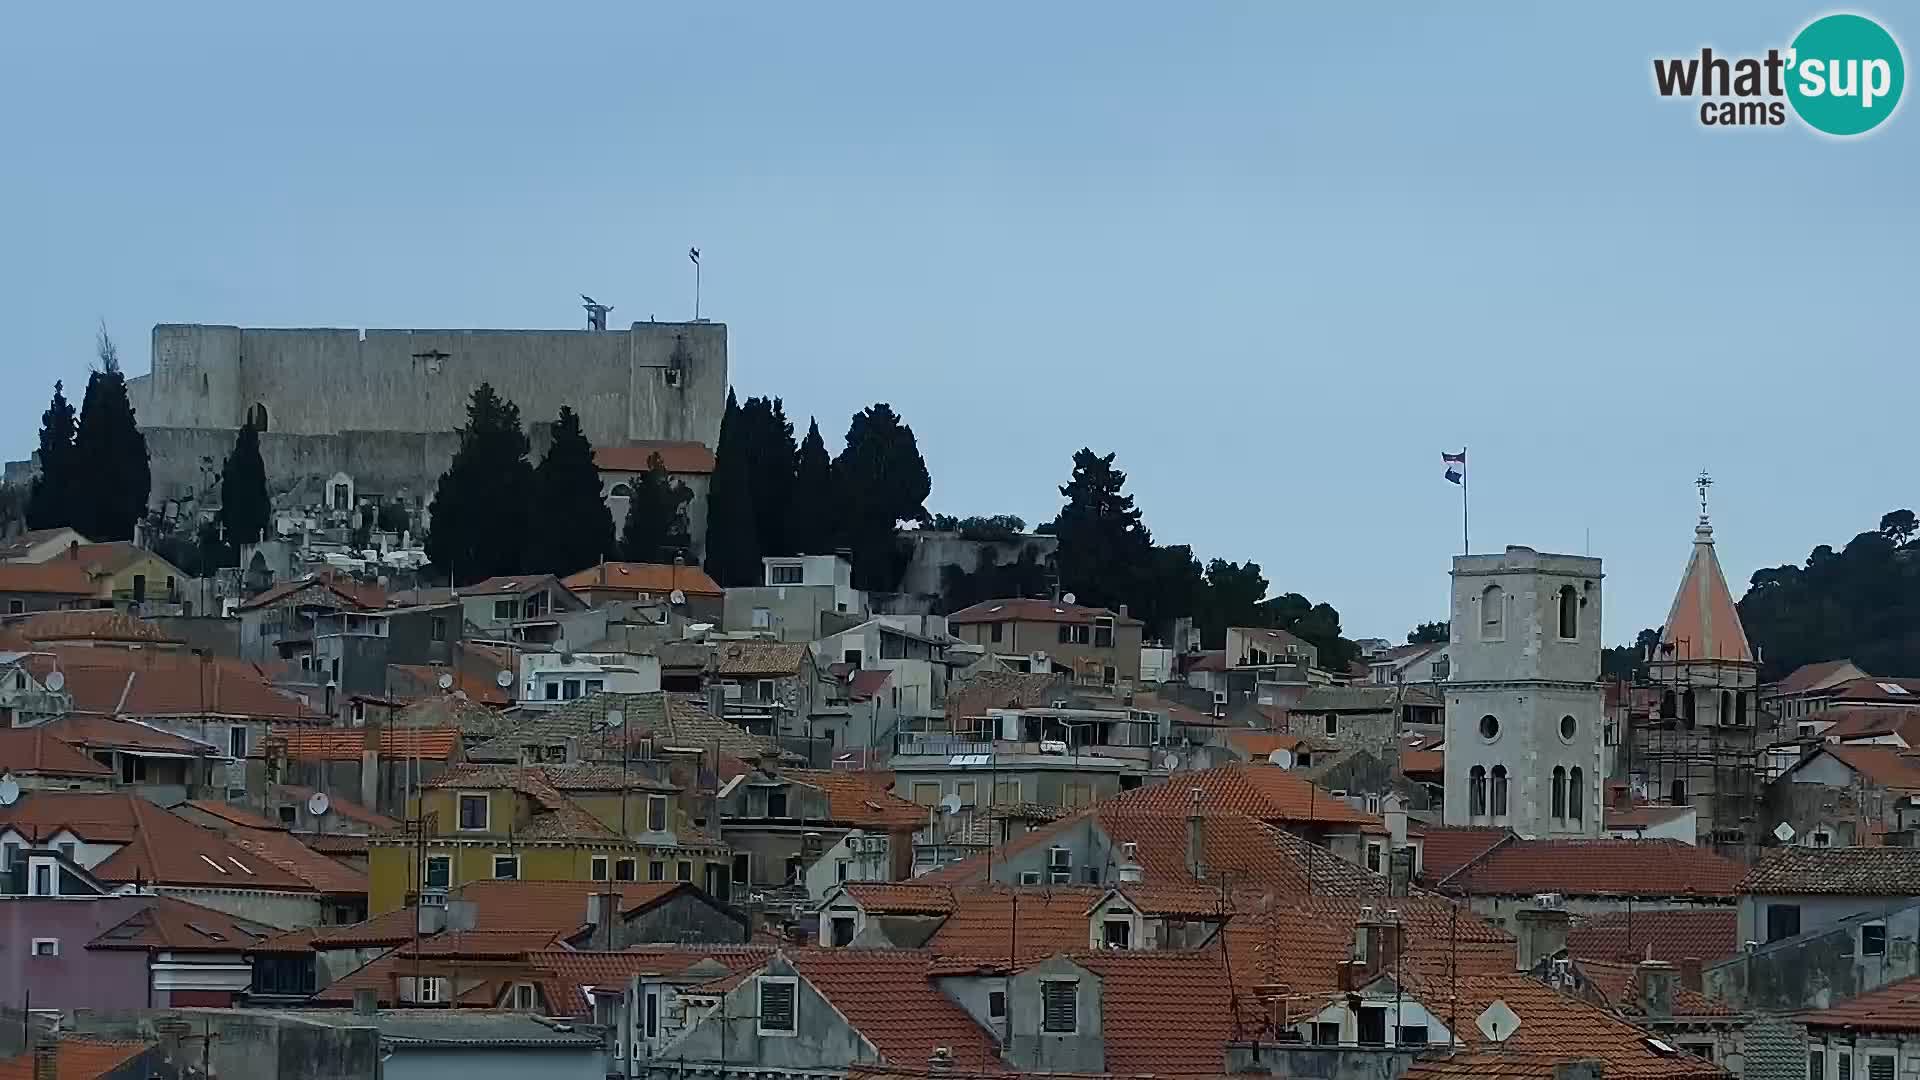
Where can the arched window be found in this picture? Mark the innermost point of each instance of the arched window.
(1687, 709)
(1726, 707)
(1569, 613)
(1493, 613)
(1740, 709)
(1559, 792)
(1499, 791)
(1669, 706)
(257, 416)
(1477, 792)
(1678, 794)
(1576, 795)
(621, 491)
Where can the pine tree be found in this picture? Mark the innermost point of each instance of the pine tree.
(244, 507)
(656, 527)
(883, 481)
(572, 527)
(1104, 547)
(480, 508)
(49, 502)
(733, 540)
(109, 461)
(770, 457)
(814, 509)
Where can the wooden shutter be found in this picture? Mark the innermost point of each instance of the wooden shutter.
(776, 1006)
(1059, 1006)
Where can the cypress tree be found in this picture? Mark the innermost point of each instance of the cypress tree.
(883, 481)
(814, 510)
(768, 436)
(49, 501)
(244, 507)
(733, 541)
(572, 527)
(109, 456)
(480, 506)
(656, 526)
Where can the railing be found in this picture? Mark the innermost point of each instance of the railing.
(948, 746)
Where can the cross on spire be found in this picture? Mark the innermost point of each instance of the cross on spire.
(1703, 482)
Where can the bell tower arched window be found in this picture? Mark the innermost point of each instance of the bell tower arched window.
(1477, 792)
(1669, 706)
(1687, 707)
(1569, 604)
(1740, 709)
(1559, 793)
(1726, 707)
(1493, 613)
(1499, 799)
(257, 416)
(1576, 785)
(1677, 795)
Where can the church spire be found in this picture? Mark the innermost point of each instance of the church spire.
(1703, 623)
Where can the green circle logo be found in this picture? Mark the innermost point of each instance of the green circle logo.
(1846, 74)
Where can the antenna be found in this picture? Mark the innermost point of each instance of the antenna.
(694, 254)
(318, 804)
(596, 312)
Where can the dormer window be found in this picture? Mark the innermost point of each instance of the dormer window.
(1117, 934)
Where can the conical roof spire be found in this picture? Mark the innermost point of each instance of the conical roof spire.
(1703, 623)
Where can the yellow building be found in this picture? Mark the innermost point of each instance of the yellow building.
(542, 823)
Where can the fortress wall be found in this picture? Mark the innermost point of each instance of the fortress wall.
(394, 463)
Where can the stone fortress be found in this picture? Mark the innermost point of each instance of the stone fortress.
(379, 408)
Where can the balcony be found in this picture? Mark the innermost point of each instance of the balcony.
(1005, 751)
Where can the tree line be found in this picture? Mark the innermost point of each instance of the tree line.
(1860, 603)
(94, 471)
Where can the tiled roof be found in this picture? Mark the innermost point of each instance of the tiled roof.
(661, 578)
(1031, 610)
(1259, 744)
(1814, 675)
(885, 995)
(568, 971)
(1245, 851)
(350, 595)
(667, 719)
(1164, 1013)
(555, 816)
(549, 907)
(178, 926)
(78, 1059)
(1871, 721)
(94, 624)
(346, 744)
(382, 974)
(516, 584)
(38, 752)
(1260, 791)
(1883, 766)
(1875, 689)
(103, 733)
(1893, 1007)
(675, 456)
(1705, 934)
(62, 577)
(1026, 923)
(999, 690)
(286, 851)
(22, 545)
(1644, 816)
(1423, 762)
(1703, 623)
(1852, 871)
(158, 847)
(231, 814)
(148, 682)
(856, 799)
(345, 808)
(868, 682)
(1302, 942)
(904, 898)
(1665, 868)
(759, 657)
(1619, 983)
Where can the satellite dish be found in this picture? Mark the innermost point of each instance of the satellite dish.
(1069, 598)
(1783, 832)
(1498, 1023)
(616, 718)
(504, 679)
(445, 680)
(1170, 762)
(56, 681)
(9, 790)
(676, 597)
(950, 805)
(318, 803)
(1282, 757)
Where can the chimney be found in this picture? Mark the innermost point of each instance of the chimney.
(1400, 872)
(1583, 1069)
(1656, 989)
(73, 555)
(1381, 946)
(1394, 814)
(1542, 936)
(46, 1058)
(1690, 978)
(1130, 871)
(366, 1002)
(370, 736)
(1123, 611)
(1196, 840)
(940, 1062)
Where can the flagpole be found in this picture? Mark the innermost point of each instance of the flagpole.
(1466, 545)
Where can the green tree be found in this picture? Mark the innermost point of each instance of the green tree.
(1173, 586)
(1232, 596)
(733, 540)
(1429, 633)
(771, 459)
(1629, 662)
(395, 519)
(883, 481)
(1103, 544)
(481, 506)
(815, 508)
(574, 527)
(49, 500)
(110, 454)
(1898, 526)
(1316, 624)
(1861, 602)
(244, 507)
(656, 526)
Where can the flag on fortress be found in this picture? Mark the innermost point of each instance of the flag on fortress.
(1456, 465)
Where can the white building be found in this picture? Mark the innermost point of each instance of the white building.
(1523, 702)
(550, 678)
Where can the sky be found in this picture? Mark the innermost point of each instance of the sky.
(1276, 258)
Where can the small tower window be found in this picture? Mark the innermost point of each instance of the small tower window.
(1569, 613)
(257, 416)
(1477, 792)
(1559, 793)
(1669, 706)
(1726, 707)
(1493, 613)
(1678, 794)
(1576, 784)
(1489, 727)
(1740, 709)
(1499, 791)
(1687, 707)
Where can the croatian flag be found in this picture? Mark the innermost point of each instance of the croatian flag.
(1456, 465)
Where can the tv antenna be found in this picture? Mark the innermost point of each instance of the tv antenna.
(596, 312)
(694, 254)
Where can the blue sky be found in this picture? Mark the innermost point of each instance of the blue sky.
(1276, 258)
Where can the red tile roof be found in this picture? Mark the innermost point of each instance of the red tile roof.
(37, 752)
(1874, 689)
(1812, 676)
(886, 995)
(660, 578)
(1423, 762)
(158, 847)
(1165, 1013)
(1871, 721)
(1447, 848)
(550, 907)
(78, 1059)
(1644, 816)
(178, 926)
(994, 923)
(103, 733)
(346, 808)
(1705, 934)
(61, 577)
(1703, 624)
(1259, 744)
(1893, 1007)
(1262, 791)
(904, 898)
(1884, 766)
(94, 624)
(857, 799)
(1250, 853)
(1031, 610)
(1619, 983)
(348, 594)
(284, 850)
(1664, 868)
(675, 456)
(868, 682)
(346, 744)
(147, 682)
(568, 971)
(1853, 871)
(231, 814)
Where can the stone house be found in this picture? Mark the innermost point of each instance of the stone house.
(1593, 877)
(1097, 646)
(1363, 717)
(1873, 1037)
(279, 623)
(782, 823)
(38, 761)
(701, 600)
(517, 608)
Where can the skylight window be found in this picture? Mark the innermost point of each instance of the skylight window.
(211, 935)
(1891, 688)
(213, 864)
(241, 865)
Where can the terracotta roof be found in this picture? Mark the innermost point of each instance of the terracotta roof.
(475, 686)
(903, 898)
(157, 846)
(868, 682)
(1303, 941)
(103, 733)
(112, 556)
(675, 457)
(1259, 744)
(1813, 676)
(985, 690)
(178, 926)
(1874, 689)
(555, 816)
(666, 719)
(231, 814)
(78, 1059)
(1871, 721)
(1447, 848)
(662, 578)
(1644, 816)
(381, 974)
(1893, 1007)
(62, 577)
(1619, 982)
(1163, 1013)
(338, 844)
(1666, 868)
(759, 657)
(517, 584)
(1031, 610)
(1260, 791)
(92, 624)
(1248, 852)
(1703, 624)
(145, 682)
(886, 995)
(349, 594)
(1423, 762)
(286, 851)
(568, 971)
(1502, 1064)
(345, 808)
(36, 751)
(857, 800)
(1852, 871)
(982, 924)
(15, 547)
(1210, 660)
(346, 744)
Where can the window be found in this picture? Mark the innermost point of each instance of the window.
(1568, 726)
(594, 686)
(1669, 706)
(1816, 1064)
(969, 792)
(599, 868)
(67, 851)
(776, 804)
(430, 992)
(552, 690)
(439, 871)
(1075, 634)
(1699, 1050)
(926, 793)
(1489, 727)
(995, 631)
(1677, 793)
(841, 868)
(1332, 724)
(1493, 613)
(288, 815)
(1569, 603)
(46, 946)
(1326, 1034)
(506, 609)
(1499, 791)
(438, 628)
(1413, 1035)
(1005, 792)
(656, 871)
(1029, 877)
(852, 658)
(625, 869)
(1576, 794)
(1060, 1006)
(139, 588)
(237, 742)
(524, 997)
(777, 999)
(506, 868)
(1740, 710)
(16, 607)
(1373, 1025)
(1117, 933)
(763, 691)
(1477, 791)
(1726, 707)
(1873, 939)
(1783, 921)
(1373, 855)
(1103, 632)
(842, 931)
(657, 813)
(791, 574)
(473, 811)
(996, 1004)
(653, 1014)
(1687, 709)
(1880, 1067)
(1559, 793)
(762, 618)
(43, 881)
(686, 871)
(570, 689)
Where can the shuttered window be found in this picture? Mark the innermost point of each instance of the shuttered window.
(776, 1006)
(1880, 1067)
(1060, 1007)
